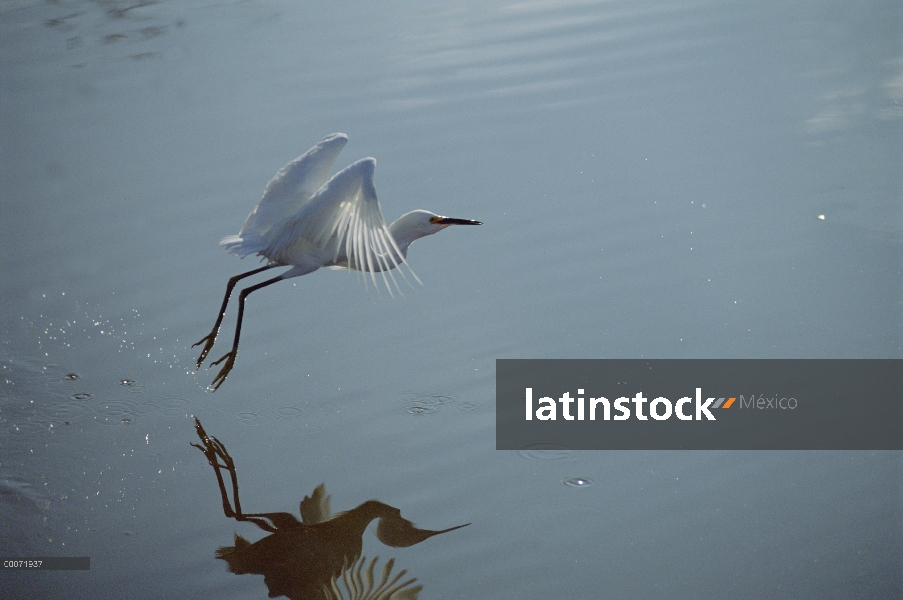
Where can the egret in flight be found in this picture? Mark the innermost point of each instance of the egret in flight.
(307, 220)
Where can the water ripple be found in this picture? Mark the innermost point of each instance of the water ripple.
(132, 385)
(427, 404)
(251, 419)
(125, 410)
(467, 406)
(173, 403)
(291, 412)
(28, 428)
(578, 482)
(415, 407)
(63, 412)
(545, 451)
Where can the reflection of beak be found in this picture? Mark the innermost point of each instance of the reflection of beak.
(450, 221)
(400, 533)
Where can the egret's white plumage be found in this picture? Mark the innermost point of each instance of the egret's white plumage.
(293, 185)
(341, 225)
(307, 220)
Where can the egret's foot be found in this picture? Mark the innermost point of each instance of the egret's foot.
(229, 357)
(208, 341)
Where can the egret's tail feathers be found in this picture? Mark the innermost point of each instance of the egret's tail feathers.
(243, 245)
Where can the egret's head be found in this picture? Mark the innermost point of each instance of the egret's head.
(419, 223)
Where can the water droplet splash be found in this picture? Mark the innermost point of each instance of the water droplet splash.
(578, 482)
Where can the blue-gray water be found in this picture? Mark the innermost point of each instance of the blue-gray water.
(657, 179)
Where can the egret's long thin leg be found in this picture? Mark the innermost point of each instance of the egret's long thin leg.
(210, 338)
(229, 357)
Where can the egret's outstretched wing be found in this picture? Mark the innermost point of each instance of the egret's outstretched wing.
(341, 226)
(294, 185)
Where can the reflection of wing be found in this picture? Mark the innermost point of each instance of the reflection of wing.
(341, 226)
(361, 585)
(315, 508)
(294, 185)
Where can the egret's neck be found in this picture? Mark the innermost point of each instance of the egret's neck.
(404, 234)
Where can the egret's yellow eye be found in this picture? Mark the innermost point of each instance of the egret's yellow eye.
(435, 220)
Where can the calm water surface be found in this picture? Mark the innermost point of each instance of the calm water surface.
(657, 179)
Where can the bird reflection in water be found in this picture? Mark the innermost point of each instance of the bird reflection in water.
(307, 559)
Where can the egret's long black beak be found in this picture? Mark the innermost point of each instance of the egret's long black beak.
(450, 221)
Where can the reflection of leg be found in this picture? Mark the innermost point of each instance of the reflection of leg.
(210, 338)
(229, 357)
(215, 451)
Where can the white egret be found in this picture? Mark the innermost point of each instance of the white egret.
(305, 222)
